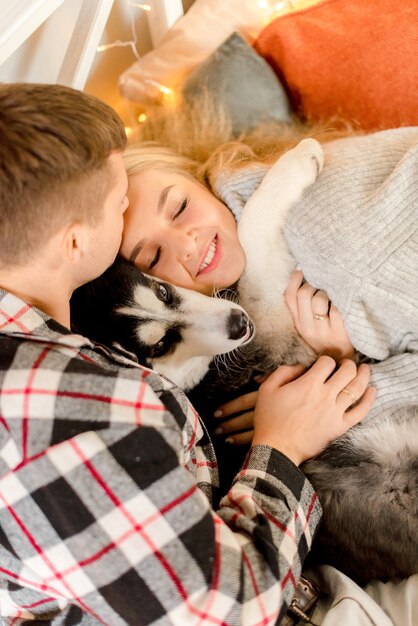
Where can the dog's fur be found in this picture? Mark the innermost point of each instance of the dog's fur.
(367, 481)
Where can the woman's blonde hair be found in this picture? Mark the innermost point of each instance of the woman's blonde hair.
(196, 139)
(152, 155)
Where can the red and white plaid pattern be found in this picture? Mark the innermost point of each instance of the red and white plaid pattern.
(108, 486)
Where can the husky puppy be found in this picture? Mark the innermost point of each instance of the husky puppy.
(172, 330)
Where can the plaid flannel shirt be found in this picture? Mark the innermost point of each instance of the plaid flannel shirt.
(109, 503)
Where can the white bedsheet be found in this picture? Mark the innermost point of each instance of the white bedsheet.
(393, 603)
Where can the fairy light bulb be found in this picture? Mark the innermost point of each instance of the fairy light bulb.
(132, 43)
(144, 7)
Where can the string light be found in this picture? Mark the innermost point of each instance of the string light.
(165, 90)
(144, 7)
(142, 117)
(132, 43)
(118, 44)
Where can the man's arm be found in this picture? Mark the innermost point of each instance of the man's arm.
(111, 522)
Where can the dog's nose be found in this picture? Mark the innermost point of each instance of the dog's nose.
(237, 324)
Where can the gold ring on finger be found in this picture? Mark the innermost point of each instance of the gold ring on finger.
(350, 394)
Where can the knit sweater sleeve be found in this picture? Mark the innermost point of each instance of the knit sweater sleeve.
(355, 235)
(234, 188)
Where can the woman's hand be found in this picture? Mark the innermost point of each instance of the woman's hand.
(239, 416)
(316, 320)
(300, 413)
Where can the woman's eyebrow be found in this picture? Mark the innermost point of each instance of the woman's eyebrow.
(160, 205)
(163, 198)
(137, 249)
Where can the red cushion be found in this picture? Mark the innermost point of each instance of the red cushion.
(353, 59)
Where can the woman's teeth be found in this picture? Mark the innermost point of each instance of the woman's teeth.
(209, 255)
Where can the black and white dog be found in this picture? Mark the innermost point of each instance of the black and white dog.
(169, 329)
(367, 480)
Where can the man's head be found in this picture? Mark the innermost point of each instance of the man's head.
(57, 164)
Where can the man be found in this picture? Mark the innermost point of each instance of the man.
(109, 508)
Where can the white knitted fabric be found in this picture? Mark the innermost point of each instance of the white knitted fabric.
(355, 235)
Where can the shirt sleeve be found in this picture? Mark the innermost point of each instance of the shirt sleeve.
(109, 527)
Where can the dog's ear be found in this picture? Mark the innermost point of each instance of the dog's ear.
(130, 355)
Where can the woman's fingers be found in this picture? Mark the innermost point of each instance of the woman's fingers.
(320, 305)
(241, 439)
(346, 371)
(324, 366)
(282, 375)
(296, 280)
(355, 388)
(235, 424)
(304, 301)
(238, 405)
(362, 407)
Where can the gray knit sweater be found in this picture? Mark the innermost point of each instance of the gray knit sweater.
(355, 235)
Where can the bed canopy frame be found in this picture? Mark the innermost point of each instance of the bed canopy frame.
(65, 46)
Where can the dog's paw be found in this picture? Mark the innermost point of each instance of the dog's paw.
(311, 157)
(295, 170)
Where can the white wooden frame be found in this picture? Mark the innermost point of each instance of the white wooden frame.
(86, 19)
(19, 19)
(83, 45)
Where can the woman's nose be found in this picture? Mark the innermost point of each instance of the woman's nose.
(187, 243)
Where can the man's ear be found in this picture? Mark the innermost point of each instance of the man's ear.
(74, 241)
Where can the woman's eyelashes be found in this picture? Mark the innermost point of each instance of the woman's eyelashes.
(181, 209)
(155, 259)
(177, 214)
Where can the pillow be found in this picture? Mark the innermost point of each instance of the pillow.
(193, 38)
(354, 59)
(242, 83)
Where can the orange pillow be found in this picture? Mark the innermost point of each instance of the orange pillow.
(353, 59)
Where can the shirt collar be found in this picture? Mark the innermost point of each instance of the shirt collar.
(21, 319)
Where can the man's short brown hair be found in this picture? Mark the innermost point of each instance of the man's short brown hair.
(54, 146)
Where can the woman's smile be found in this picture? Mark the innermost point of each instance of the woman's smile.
(212, 257)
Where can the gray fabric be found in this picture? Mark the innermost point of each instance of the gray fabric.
(354, 234)
(242, 83)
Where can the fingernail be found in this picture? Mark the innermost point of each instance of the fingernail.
(229, 440)
(217, 413)
(218, 431)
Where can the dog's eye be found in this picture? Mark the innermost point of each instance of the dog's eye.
(158, 349)
(163, 293)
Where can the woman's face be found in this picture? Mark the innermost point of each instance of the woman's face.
(175, 229)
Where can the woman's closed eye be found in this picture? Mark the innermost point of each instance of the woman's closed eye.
(155, 259)
(157, 255)
(181, 208)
